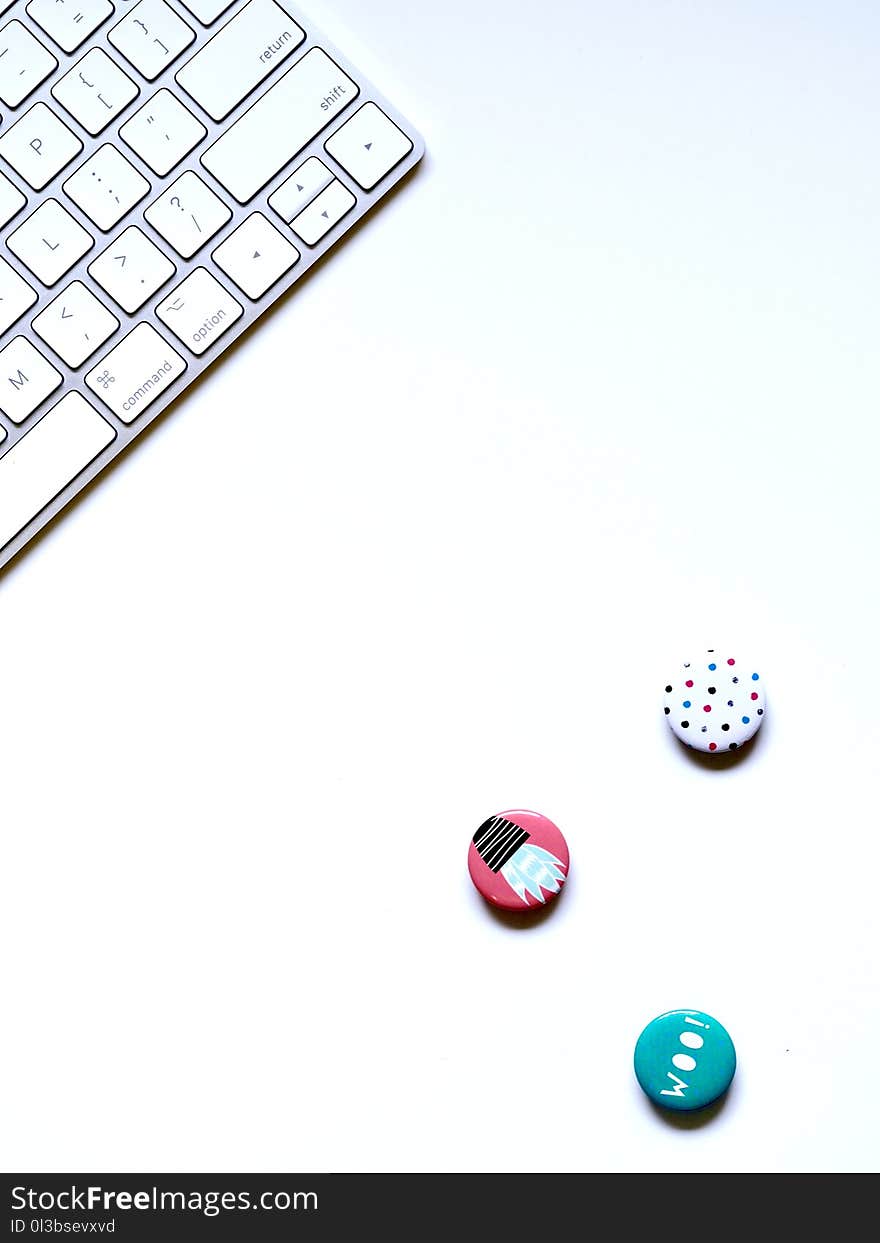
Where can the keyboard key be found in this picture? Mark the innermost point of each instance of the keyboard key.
(75, 324)
(69, 24)
(162, 132)
(188, 214)
(277, 127)
(255, 255)
(130, 378)
(24, 63)
(50, 242)
(39, 146)
(26, 379)
(368, 146)
(323, 212)
(95, 91)
(131, 269)
(11, 200)
(106, 187)
(199, 310)
(206, 11)
(16, 296)
(239, 57)
(49, 457)
(151, 36)
(300, 188)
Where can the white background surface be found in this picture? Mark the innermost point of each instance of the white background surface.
(596, 389)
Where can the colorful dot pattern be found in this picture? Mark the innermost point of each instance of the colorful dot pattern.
(716, 703)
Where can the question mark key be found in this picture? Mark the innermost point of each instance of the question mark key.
(188, 227)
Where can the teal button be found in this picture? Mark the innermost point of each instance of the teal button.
(684, 1059)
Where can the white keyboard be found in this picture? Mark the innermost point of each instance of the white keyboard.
(168, 169)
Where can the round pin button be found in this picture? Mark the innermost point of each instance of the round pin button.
(684, 1059)
(518, 860)
(716, 702)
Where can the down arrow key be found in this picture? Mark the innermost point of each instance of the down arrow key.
(316, 220)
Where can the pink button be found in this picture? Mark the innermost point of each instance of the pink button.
(518, 860)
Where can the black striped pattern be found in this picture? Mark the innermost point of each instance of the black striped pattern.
(497, 840)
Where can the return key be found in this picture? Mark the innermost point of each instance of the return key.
(239, 57)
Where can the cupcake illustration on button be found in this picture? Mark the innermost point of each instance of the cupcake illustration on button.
(715, 702)
(518, 860)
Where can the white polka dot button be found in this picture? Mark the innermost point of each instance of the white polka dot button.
(716, 702)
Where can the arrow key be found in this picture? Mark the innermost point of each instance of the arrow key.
(368, 146)
(298, 190)
(255, 255)
(323, 213)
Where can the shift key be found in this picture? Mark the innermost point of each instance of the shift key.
(135, 373)
(276, 128)
(239, 57)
